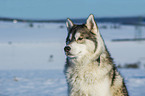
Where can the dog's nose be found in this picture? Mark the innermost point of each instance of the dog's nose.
(67, 48)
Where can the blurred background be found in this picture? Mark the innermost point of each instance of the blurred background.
(32, 38)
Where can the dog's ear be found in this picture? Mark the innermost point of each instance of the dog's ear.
(91, 24)
(69, 24)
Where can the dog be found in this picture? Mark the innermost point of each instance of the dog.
(89, 68)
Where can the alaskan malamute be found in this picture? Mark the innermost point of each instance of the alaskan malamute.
(89, 69)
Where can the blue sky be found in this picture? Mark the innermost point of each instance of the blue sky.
(61, 9)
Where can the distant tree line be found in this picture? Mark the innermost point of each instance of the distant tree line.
(131, 65)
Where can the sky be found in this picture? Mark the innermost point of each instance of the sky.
(61, 9)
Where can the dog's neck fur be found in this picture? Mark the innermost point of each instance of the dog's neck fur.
(86, 68)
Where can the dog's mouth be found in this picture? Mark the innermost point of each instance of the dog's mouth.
(68, 54)
(72, 56)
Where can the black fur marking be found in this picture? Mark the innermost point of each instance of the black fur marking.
(76, 27)
(98, 60)
(125, 89)
(114, 75)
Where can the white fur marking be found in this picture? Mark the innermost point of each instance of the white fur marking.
(77, 35)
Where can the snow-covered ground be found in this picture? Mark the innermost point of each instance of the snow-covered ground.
(53, 83)
(25, 47)
(39, 47)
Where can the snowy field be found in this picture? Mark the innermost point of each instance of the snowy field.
(32, 58)
(52, 83)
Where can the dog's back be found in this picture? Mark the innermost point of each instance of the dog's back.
(89, 68)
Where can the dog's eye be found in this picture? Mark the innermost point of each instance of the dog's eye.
(80, 38)
(87, 37)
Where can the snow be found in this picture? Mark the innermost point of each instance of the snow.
(127, 52)
(53, 83)
(32, 83)
(135, 81)
(26, 47)
(23, 47)
(32, 58)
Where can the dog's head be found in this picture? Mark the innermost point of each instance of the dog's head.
(82, 40)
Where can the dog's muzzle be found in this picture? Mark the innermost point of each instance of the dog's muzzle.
(67, 48)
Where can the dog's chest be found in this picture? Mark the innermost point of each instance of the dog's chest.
(89, 82)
